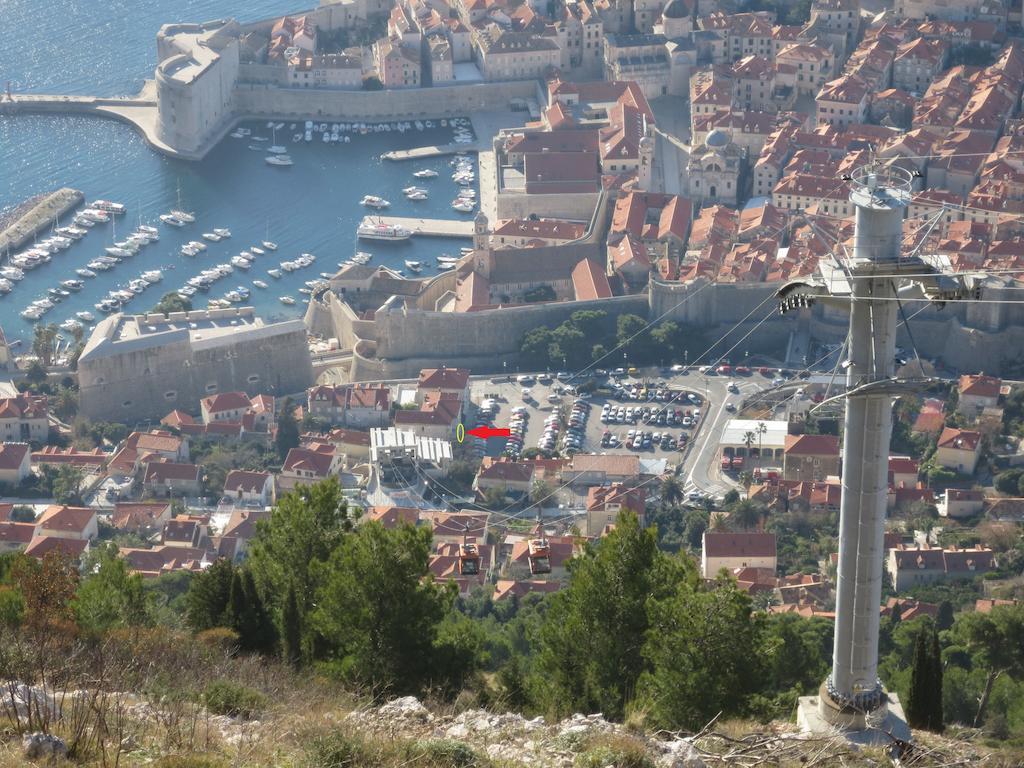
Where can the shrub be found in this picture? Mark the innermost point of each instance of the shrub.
(621, 754)
(441, 753)
(219, 639)
(189, 761)
(339, 750)
(223, 697)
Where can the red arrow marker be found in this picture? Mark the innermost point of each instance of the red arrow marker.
(486, 432)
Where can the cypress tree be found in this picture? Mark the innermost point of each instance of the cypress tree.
(920, 672)
(264, 633)
(936, 722)
(291, 632)
(241, 615)
(924, 704)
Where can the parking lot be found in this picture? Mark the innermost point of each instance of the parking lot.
(643, 411)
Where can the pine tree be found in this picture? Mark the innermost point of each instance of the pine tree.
(291, 631)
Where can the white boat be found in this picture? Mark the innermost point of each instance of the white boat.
(277, 149)
(72, 285)
(117, 209)
(426, 173)
(308, 136)
(241, 263)
(32, 313)
(287, 300)
(85, 315)
(257, 251)
(188, 250)
(122, 253)
(417, 196)
(152, 276)
(463, 206)
(326, 275)
(213, 237)
(222, 232)
(12, 273)
(184, 216)
(269, 245)
(373, 201)
(171, 220)
(282, 161)
(259, 283)
(415, 266)
(197, 244)
(274, 273)
(378, 230)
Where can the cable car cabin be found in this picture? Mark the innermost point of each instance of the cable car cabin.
(469, 560)
(540, 557)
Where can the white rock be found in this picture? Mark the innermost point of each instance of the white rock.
(37, 745)
(679, 754)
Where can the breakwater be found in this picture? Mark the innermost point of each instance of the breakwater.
(23, 222)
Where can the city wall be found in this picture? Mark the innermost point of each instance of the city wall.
(254, 101)
(147, 382)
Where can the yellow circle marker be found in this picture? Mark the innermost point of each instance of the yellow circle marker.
(460, 432)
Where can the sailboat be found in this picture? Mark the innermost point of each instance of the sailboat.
(179, 213)
(275, 148)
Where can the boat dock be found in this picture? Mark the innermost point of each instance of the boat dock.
(34, 215)
(422, 153)
(431, 227)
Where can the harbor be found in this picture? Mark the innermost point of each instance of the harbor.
(215, 252)
(25, 221)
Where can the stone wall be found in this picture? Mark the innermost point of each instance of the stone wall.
(148, 382)
(262, 101)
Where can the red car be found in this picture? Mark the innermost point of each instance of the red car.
(726, 464)
(737, 462)
(764, 371)
(723, 369)
(742, 369)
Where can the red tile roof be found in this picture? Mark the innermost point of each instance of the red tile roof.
(739, 544)
(12, 455)
(959, 439)
(443, 378)
(134, 515)
(162, 471)
(812, 445)
(19, 534)
(245, 481)
(226, 401)
(40, 546)
(589, 281)
(316, 461)
(980, 386)
(68, 519)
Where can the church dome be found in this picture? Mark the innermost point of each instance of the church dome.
(675, 9)
(717, 138)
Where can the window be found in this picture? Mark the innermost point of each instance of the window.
(170, 395)
(211, 387)
(253, 378)
(126, 404)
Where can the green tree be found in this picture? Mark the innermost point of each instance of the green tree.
(291, 629)
(378, 611)
(247, 615)
(287, 429)
(540, 293)
(671, 490)
(304, 529)
(173, 302)
(590, 645)
(534, 349)
(592, 323)
(109, 596)
(745, 515)
(995, 642)
(1009, 482)
(924, 702)
(23, 514)
(945, 618)
(44, 338)
(208, 594)
(36, 374)
(67, 485)
(702, 656)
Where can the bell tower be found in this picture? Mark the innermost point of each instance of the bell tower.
(481, 232)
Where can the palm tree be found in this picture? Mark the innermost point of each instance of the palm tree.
(745, 514)
(762, 430)
(671, 490)
(719, 522)
(747, 480)
(748, 440)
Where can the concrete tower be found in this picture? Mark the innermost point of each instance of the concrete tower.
(852, 698)
(481, 232)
